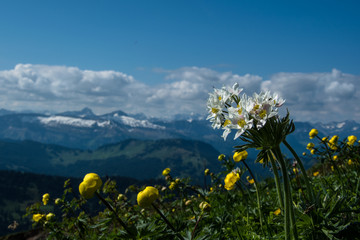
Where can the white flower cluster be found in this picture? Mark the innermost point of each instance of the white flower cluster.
(228, 110)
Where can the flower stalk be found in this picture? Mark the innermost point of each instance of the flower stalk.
(127, 229)
(166, 221)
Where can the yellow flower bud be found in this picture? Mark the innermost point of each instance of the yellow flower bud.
(121, 197)
(37, 217)
(310, 146)
(349, 162)
(351, 140)
(251, 181)
(277, 211)
(333, 142)
(172, 186)
(166, 171)
(230, 180)
(316, 174)
(221, 157)
(312, 151)
(146, 197)
(90, 184)
(58, 201)
(206, 172)
(314, 132)
(45, 198)
(238, 156)
(204, 206)
(50, 216)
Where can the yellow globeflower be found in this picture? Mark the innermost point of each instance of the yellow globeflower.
(37, 217)
(277, 211)
(313, 133)
(58, 201)
(349, 162)
(221, 157)
(206, 172)
(121, 197)
(146, 197)
(45, 198)
(312, 151)
(310, 146)
(91, 183)
(351, 140)
(335, 157)
(166, 171)
(315, 174)
(204, 206)
(172, 185)
(238, 156)
(50, 216)
(251, 181)
(230, 180)
(333, 142)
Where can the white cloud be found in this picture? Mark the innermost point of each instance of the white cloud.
(330, 96)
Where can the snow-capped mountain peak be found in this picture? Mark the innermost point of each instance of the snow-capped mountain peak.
(72, 121)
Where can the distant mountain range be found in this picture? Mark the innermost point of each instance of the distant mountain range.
(139, 159)
(85, 130)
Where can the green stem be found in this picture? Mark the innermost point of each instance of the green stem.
(277, 179)
(307, 180)
(257, 195)
(167, 221)
(289, 211)
(117, 217)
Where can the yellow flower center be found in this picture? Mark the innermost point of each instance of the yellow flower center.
(240, 111)
(219, 98)
(214, 110)
(262, 114)
(241, 123)
(227, 122)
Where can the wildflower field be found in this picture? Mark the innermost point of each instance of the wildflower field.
(318, 203)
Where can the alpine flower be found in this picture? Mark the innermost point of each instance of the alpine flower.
(351, 140)
(238, 156)
(146, 197)
(37, 217)
(313, 133)
(277, 211)
(166, 171)
(310, 146)
(90, 184)
(333, 142)
(45, 198)
(231, 179)
(49, 216)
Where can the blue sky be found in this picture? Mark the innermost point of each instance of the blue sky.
(164, 56)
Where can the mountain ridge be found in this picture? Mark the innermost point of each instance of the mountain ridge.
(85, 130)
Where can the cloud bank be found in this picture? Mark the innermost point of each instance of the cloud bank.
(329, 96)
